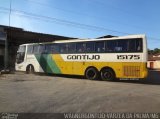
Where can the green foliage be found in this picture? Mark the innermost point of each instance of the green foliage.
(155, 51)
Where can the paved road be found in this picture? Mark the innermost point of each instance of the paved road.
(38, 93)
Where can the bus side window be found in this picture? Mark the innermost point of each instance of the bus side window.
(99, 46)
(41, 49)
(36, 49)
(132, 45)
(135, 45)
(122, 45)
(63, 48)
(90, 47)
(139, 45)
(80, 47)
(71, 48)
(110, 45)
(30, 49)
(48, 48)
(55, 48)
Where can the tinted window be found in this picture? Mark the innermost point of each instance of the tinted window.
(139, 45)
(30, 49)
(135, 45)
(124, 45)
(52, 48)
(99, 46)
(63, 48)
(55, 48)
(80, 47)
(48, 48)
(71, 48)
(20, 57)
(42, 49)
(121, 46)
(111, 45)
(90, 47)
(36, 49)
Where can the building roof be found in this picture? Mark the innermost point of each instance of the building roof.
(153, 57)
(20, 36)
(157, 54)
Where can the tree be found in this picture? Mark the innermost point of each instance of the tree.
(155, 51)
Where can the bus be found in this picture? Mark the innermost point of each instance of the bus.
(105, 58)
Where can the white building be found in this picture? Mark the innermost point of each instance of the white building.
(154, 61)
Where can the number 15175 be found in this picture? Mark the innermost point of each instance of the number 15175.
(135, 57)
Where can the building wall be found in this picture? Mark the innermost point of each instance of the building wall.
(153, 64)
(1, 57)
(1, 50)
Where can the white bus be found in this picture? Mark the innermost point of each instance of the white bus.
(107, 58)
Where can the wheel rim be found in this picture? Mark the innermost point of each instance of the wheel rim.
(91, 74)
(107, 75)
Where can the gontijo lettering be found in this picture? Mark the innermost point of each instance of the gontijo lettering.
(83, 57)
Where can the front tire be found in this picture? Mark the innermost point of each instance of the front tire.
(107, 74)
(30, 69)
(91, 73)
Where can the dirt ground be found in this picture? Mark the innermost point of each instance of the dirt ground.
(20, 92)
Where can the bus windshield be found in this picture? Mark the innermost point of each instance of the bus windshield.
(20, 54)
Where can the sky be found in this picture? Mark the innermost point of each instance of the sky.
(85, 18)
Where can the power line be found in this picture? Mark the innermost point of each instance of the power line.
(87, 15)
(64, 22)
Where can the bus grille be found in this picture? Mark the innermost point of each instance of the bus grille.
(133, 71)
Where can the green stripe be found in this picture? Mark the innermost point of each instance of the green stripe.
(47, 63)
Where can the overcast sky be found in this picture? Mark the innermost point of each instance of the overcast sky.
(85, 18)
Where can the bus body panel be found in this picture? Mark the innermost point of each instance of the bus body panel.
(60, 66)
(122, 69)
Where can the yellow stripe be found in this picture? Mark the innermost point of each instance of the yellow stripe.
(122, 69)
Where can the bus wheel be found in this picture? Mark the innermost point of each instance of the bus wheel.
(30, 69)
(91, 73)
(107, 74)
